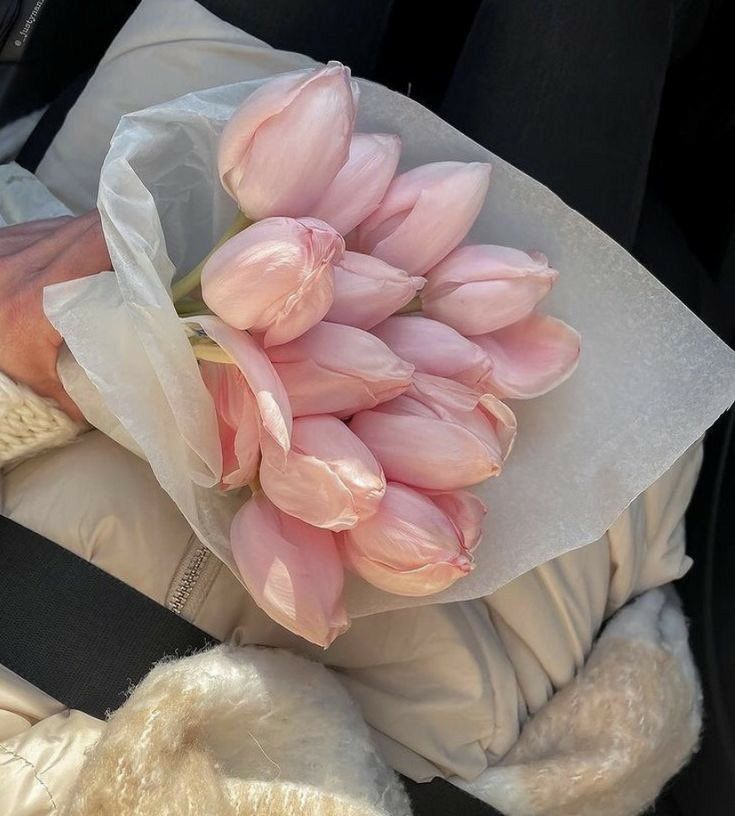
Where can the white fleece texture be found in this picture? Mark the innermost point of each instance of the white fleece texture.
(237, 731)
(608, 742)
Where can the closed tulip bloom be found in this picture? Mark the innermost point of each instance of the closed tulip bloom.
(411, 546)
(435, 348)
(425, 214)
(285, 144)
(479, 289)
(328, 479)
(292, 570)
(265, 392)
(334, 369)
(360, 185)
(367, 290)
(531, 357)
(275, 277)
(439, 435)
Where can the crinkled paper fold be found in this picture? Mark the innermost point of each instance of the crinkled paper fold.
(652, 377)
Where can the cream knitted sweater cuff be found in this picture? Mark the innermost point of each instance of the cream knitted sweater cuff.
(30, 424)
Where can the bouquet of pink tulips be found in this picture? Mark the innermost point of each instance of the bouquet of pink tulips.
(357, 354)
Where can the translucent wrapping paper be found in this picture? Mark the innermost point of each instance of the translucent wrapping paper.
(652, 377)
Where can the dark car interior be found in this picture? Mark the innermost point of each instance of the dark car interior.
(683, 229)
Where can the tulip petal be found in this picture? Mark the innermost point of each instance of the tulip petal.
(425, 214)
(329, 478)
(292, 570)
(238, 423)
(450, 399)
(368, 290)
(506, 425)
(274, 277)
(427, 453)
(360, 185)
(283, 148)
(466, 512)
(531, 357)
(435, 348)
(478, 289)
(335, 369)
(409, 547)
(269, 392)
(440, 435)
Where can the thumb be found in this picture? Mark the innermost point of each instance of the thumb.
(66, 404)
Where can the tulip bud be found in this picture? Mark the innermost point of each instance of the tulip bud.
(292, 570)
(439, 435)
(328, 479)
(285, 144)
(274, 277)
(425, 214)
(412, 546)
(531, 357)
(479, 289)
(360, 185)
(435, 348)
(367, 290)
(334, 369)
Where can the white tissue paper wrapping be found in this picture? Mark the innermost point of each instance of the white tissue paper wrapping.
(651, 380)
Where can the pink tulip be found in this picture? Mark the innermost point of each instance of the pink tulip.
(479, 289)
(367, 290)
(329, 478)
(334, 369)
(361, 183)
(439, 435)
(531, 356)
(292, 570)
(285, 144)
(411, 546)
(466, 512)
(237, 421)
(435, 348)
(274, 277)
(425, 214)
(265, 391)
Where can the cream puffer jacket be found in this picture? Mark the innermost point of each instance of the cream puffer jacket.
(445, 689)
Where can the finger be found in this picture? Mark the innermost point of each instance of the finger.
(67, 405)
(17, 238)
(31, 227)
(40, 254)
(86, 255)
(52, 389)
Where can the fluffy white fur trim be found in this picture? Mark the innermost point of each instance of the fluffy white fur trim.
(236, 731)
(607, 743)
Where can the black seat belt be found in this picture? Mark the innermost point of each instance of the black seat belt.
(74, 631)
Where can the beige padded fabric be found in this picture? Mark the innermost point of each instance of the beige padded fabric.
(446, 687)
(166, 49)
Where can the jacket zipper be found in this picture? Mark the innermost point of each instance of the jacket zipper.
(188, 578)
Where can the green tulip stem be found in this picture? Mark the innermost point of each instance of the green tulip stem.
(206, 349)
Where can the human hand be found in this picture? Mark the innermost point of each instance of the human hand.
(32, 256)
